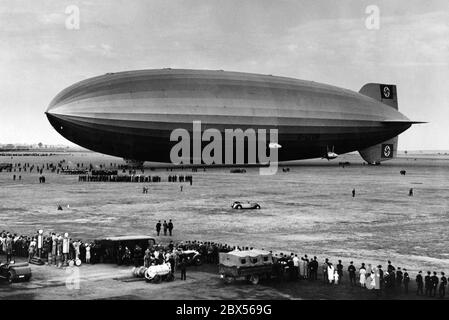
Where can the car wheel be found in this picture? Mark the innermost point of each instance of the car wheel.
(198, 261)
(157, 279)
(238, 207)
(11, 276)
(170, 277)
(257, 206)
(228, 279)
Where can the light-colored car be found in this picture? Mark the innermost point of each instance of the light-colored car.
(245, 205)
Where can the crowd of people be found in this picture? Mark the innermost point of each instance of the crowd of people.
(58, 249)
(392, 280)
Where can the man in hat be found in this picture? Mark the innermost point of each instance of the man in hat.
(340, 271)
(351, 271)
(406, 281)
(443, 283)
(399, 277)
(434, 283)
(158, 227)
(170, 227)
(419, 284)
(391, 270)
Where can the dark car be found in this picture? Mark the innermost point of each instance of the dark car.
(192, 257)
(13, 272)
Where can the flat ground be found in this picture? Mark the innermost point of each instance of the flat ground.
(308, 210)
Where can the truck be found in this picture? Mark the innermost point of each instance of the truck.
(251, 265)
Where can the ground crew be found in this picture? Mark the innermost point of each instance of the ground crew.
(158, 227)
(165, 225)
(170, 227)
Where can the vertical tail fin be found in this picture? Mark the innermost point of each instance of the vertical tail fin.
(387, 94)
(380, 152)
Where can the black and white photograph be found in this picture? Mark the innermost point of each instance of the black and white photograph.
(238, 152)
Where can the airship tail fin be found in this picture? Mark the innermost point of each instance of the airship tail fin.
(385, 93)
(380, 152)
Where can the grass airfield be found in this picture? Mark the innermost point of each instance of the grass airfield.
(308, 210)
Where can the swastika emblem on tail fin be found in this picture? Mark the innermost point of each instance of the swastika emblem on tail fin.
(386, 91)
(387, 151)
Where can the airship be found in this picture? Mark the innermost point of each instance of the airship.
(133, 114)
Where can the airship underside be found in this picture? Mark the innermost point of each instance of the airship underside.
(132, 114)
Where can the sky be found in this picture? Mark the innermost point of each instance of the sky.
(323, 41)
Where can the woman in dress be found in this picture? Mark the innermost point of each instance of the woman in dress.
(330, 273)
(362, 276)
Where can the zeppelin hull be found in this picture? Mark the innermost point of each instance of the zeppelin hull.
(132, 114)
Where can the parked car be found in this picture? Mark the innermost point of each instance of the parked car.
(13, 272)
(245, 205)
(192, 257)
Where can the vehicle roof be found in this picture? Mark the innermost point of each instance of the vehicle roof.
(250, 253)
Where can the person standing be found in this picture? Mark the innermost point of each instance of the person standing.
(8, 248)
(305, 267)
(314, 268)
(399, 277)
(158, 227)
(325, 266)
(330, 273)
(380, 273)
(170, 227)
(428, 284)
(419, 284)
(434, 283)
(182, 267)
(362, 276)
(443, 284)
(406, 281)
(296, 266)
(353, 193)
(351, 271)
(88, 253)
(165, 226)
(31, 249)
(340, 271)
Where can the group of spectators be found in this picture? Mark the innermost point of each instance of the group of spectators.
(393, 280)
(54, 248)
(57, 249)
